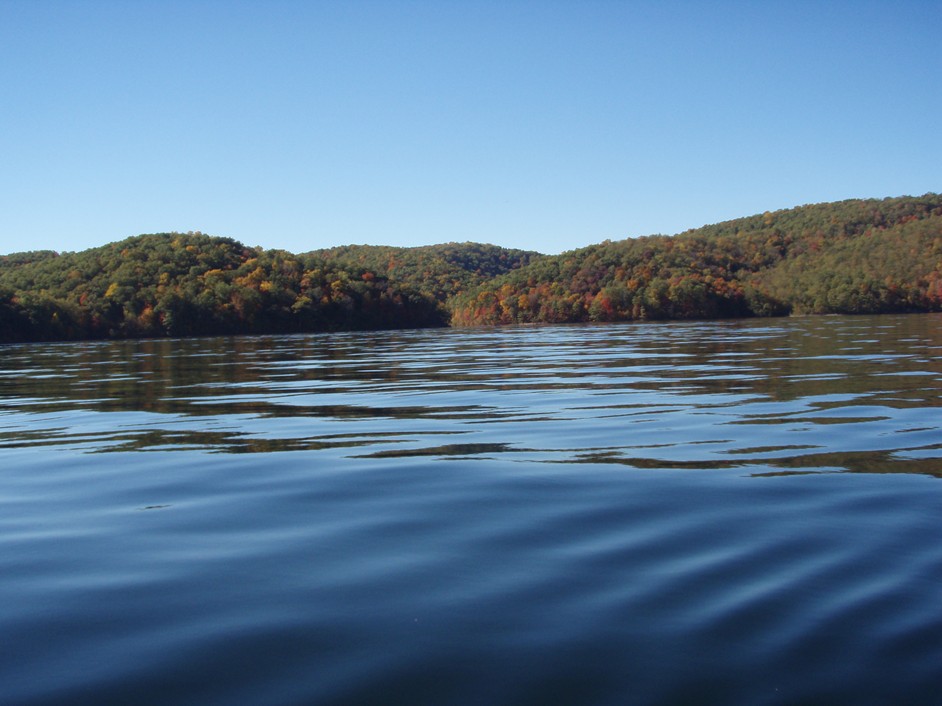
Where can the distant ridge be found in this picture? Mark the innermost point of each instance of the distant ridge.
(855, 256)
(850, 257)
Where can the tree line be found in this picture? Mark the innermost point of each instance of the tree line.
(852, 257)
(849, 257)
(177, 284)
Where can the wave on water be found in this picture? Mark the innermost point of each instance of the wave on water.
(714, 512)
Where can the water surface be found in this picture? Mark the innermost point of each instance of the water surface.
(736, 512)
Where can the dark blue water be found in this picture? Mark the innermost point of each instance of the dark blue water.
(734, 512)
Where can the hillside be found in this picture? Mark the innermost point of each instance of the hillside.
(177, 284)
(443, 271)
(856, 256)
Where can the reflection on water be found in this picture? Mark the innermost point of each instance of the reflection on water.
(781, 396)
(644, 513)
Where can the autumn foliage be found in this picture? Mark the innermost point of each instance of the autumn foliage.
(850, 257)
(192, 284)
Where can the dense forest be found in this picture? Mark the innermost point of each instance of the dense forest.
(856, 256)
(191, 284)
(442, 271)
(849, 257)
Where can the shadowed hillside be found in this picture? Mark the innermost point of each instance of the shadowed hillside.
(192, 284)
(175, 284)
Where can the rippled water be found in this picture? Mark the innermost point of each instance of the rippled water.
(724, 512)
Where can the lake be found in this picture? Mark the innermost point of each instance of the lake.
(737, 512)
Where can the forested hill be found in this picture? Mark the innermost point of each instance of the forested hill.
(191, 284)
(442, 271)
(857, 256)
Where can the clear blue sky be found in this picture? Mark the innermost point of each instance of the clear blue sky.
(541, 125)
